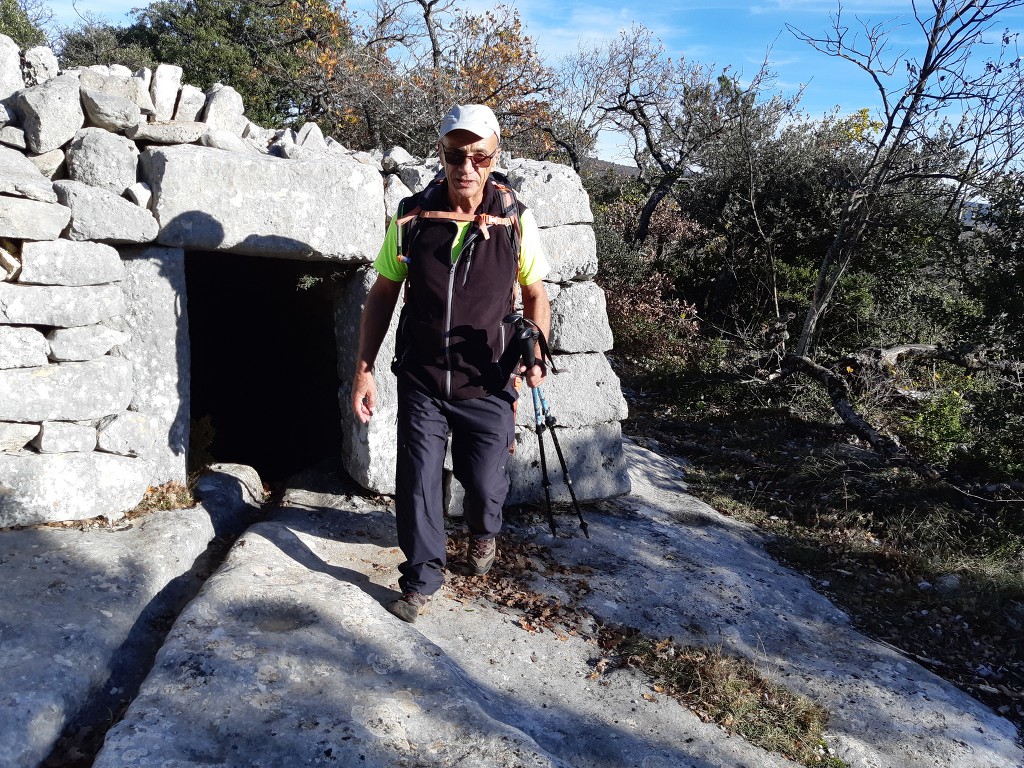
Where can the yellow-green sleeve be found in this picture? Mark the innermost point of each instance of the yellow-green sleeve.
(387, 262)
(533, 264)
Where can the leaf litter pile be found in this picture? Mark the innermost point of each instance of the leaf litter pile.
(727, 691)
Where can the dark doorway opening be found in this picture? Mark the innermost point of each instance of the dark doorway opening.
(264, 380)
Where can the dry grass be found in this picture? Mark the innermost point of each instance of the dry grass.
(170, 495)
(727, 691)
(718, 688)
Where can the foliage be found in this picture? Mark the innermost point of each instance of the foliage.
(494, 62)
(948, 117)
(271, 52)
(93, 41)
(648, 321)
(937, 428)
(259, 47)
(411, 61)
(999, 280)
(766, 196)
(997, 419)
(18, 24)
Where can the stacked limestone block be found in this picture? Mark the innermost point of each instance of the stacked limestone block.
(106, 177)
(143, 158)
(71, 448)
(105, 158)
(585, 398)
(74, 442)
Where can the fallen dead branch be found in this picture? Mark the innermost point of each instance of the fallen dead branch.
(839, 393)
(970, 357)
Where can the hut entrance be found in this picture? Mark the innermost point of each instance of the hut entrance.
(264, 381)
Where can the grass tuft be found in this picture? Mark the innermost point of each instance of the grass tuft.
(170, 495)
(728, 691)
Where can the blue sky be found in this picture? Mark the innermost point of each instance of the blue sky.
(712, 32)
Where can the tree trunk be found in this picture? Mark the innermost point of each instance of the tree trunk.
(833, 267)
(643, 225)
(567, 146)
(428, 22)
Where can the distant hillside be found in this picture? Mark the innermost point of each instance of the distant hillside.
(593, 165)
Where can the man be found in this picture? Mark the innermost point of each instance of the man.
(455, 247)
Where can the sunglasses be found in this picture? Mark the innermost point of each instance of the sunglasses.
(458, 157)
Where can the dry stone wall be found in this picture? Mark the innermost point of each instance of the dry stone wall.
(108, 178)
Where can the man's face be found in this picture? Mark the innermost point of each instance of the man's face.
(466, 178)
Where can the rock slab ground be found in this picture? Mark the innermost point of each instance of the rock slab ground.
(81, 612)
(287, 656)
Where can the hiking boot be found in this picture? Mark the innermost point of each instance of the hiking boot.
(481, 554)
(409, 606)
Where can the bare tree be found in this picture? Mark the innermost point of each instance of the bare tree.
(668, 109)
(579, 101)
(38, 12)
(953, 113)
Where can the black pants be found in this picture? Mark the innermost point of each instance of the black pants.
(482, 431)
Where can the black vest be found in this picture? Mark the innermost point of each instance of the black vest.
(452, 340)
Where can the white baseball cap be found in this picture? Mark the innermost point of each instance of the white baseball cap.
(478, 119)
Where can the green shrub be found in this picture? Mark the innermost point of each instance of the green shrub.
(937, 429)
(647, 319)
(997, 417)
(17, 25)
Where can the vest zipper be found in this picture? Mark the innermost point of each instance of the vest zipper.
(448, 309)
(467, 250)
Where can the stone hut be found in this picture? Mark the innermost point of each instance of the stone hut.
(153, 244)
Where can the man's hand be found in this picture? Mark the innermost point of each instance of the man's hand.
(364, 396)
(534, 376)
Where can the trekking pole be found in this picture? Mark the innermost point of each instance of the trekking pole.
(527, 338)
(549, 420)
(543, 418)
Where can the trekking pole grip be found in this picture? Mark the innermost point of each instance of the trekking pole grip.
(527, 342)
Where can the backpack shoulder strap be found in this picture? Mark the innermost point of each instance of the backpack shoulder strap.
(510, 212)
(409, 211)
(509, 217)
